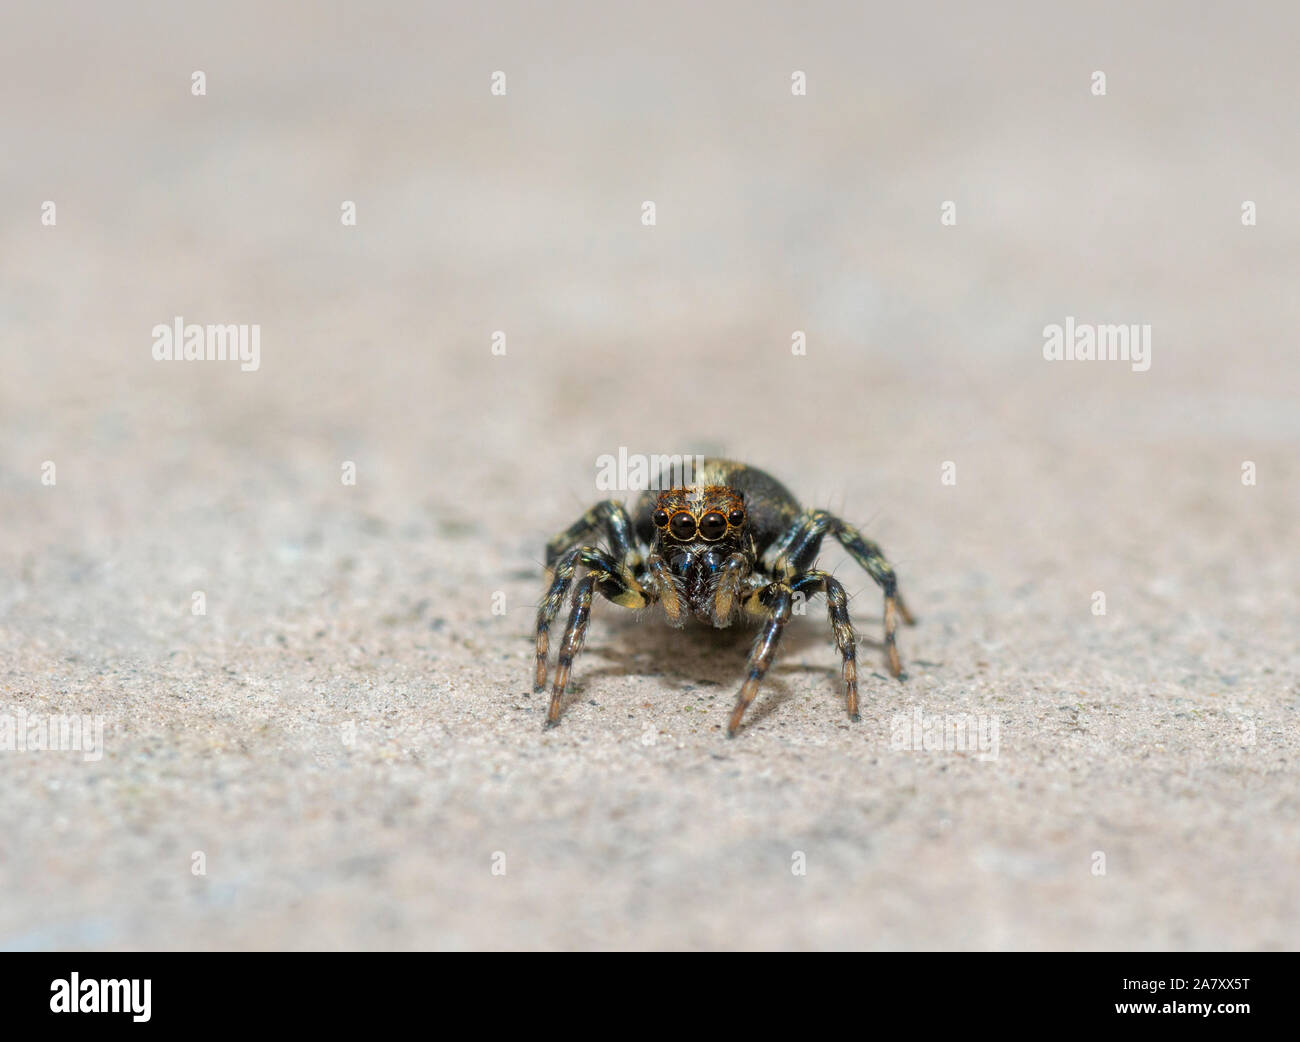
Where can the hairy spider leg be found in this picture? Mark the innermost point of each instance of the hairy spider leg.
(773, 601)
(611, 519)
(574, 634)
(615, 582)
(837, 610)
(796, 550)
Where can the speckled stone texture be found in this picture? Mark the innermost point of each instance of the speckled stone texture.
(348, 735)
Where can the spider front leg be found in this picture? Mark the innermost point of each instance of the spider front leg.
(798, 548)
(609, 518)
(618, 584)
(773, 601)
(612, 586)
(837, 608)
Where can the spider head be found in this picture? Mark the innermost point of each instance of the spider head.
(696, 530)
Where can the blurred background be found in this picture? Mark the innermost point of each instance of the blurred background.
(369, 605)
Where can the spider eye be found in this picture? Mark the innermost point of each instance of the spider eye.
(736, 517)
(660, 518)
(713, 525)
(683, 526)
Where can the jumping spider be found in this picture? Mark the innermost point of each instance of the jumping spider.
(734, 544)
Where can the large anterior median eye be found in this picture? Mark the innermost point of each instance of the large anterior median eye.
(713, 525)
(683, 525)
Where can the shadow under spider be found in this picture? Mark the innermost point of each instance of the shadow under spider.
(699, 655)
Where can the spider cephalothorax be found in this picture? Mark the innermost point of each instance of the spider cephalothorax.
(734, 544)
(701, 534)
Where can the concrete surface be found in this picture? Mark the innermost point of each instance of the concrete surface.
(348, 738)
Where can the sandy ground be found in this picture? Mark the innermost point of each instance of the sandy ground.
(346, 742)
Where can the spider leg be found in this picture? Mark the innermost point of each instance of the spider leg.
(609, 517)
(615, 582)
(611, 585)
(837, 608)
(574, 634)
(774, 601)
(872, 558)
(796, 550)
(623, 557)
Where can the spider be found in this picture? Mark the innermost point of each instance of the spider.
(734, 544)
